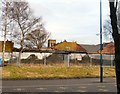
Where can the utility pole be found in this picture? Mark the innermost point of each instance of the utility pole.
(101, 46)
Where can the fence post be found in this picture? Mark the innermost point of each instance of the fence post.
(66, 60)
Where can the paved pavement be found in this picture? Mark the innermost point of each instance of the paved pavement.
(62, 85)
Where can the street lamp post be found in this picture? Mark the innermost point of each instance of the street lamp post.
(101, 46)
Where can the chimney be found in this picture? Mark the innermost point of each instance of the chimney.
(51, 43)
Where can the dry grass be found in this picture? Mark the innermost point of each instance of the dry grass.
(38, 71)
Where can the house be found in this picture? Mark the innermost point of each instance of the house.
(8, 49)
(8, 46)
(55, 52)
(76, 50)
(107, 53)
(109, 49)
(93, 49)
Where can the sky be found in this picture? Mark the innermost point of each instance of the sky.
(71, 20)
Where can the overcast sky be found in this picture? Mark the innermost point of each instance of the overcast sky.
(71, 20)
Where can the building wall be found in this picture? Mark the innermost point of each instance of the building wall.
(77, 56)
(24, 55)
(8, 47)
(27, 54)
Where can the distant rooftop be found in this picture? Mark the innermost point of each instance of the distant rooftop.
(109, 49)
(93, 48)
(69, 46)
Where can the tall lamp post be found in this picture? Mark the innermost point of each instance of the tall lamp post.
(101, 46)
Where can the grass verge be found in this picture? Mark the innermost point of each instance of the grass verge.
(31, 71)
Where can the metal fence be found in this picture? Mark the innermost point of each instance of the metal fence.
(66, 58)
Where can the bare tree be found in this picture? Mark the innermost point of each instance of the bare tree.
(24, 22)
(116, 36)
(107, 30)
(36, 38)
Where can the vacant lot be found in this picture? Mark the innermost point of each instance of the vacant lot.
(36, 71)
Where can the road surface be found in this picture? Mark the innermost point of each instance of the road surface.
(61, 85)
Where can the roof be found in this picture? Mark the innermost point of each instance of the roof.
(91, 48)
(69, 46)
(109, 48)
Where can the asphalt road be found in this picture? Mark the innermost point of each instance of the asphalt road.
(62, 85)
